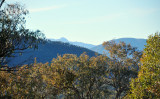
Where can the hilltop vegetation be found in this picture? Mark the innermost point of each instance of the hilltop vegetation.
(147, 84)
(70, 76)
(126, 73)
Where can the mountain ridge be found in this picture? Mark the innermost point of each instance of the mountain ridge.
(135, 42)
(50, 50)
(81, 44)
(46, 52)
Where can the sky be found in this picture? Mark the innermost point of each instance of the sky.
(93, 21)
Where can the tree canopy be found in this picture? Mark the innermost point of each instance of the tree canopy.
(14, 37)
(147, 85)
(123, 74)
(123, 65)
(68, 76)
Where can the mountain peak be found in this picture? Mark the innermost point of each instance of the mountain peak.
(63, 39)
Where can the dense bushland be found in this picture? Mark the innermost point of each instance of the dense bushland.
(123, 74)
(147, 85)
(70, 76)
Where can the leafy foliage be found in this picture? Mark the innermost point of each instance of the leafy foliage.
(14, 37)
(147, 85)
(72, 76)
(69, 75)
(123, 65)
(85, 76)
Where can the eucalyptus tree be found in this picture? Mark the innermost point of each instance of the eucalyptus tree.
(123, 65)
(147, 85)
(14, 37)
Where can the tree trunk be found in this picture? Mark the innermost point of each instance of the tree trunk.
(118, 95)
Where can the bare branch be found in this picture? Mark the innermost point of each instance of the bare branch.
(1, 3)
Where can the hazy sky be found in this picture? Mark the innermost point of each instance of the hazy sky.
(93, 21)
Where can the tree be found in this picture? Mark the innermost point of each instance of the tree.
(14, 37)
(90, 81)
(147, 85)
(66, 76)
(123, 65)
(29, 82)
(37, 80)
(79, 77)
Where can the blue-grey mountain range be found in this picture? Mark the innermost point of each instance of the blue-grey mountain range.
(46, 52)
(81, 44)
(139, 43)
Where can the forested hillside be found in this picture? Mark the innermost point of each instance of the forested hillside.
(32, 67)
(46, 52)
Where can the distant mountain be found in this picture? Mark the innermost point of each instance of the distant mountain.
(85, 45)
(46, 52)
(62, 39)
(139, 43)
(99, 49)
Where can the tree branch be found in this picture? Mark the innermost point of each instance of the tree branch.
(1, 3)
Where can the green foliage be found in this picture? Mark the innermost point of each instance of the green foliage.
(14, 37)
(123, 65)
(84, 77)
(72, 76)
(147, 85)
(91, 77)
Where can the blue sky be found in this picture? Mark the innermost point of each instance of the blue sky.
(93, 21)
